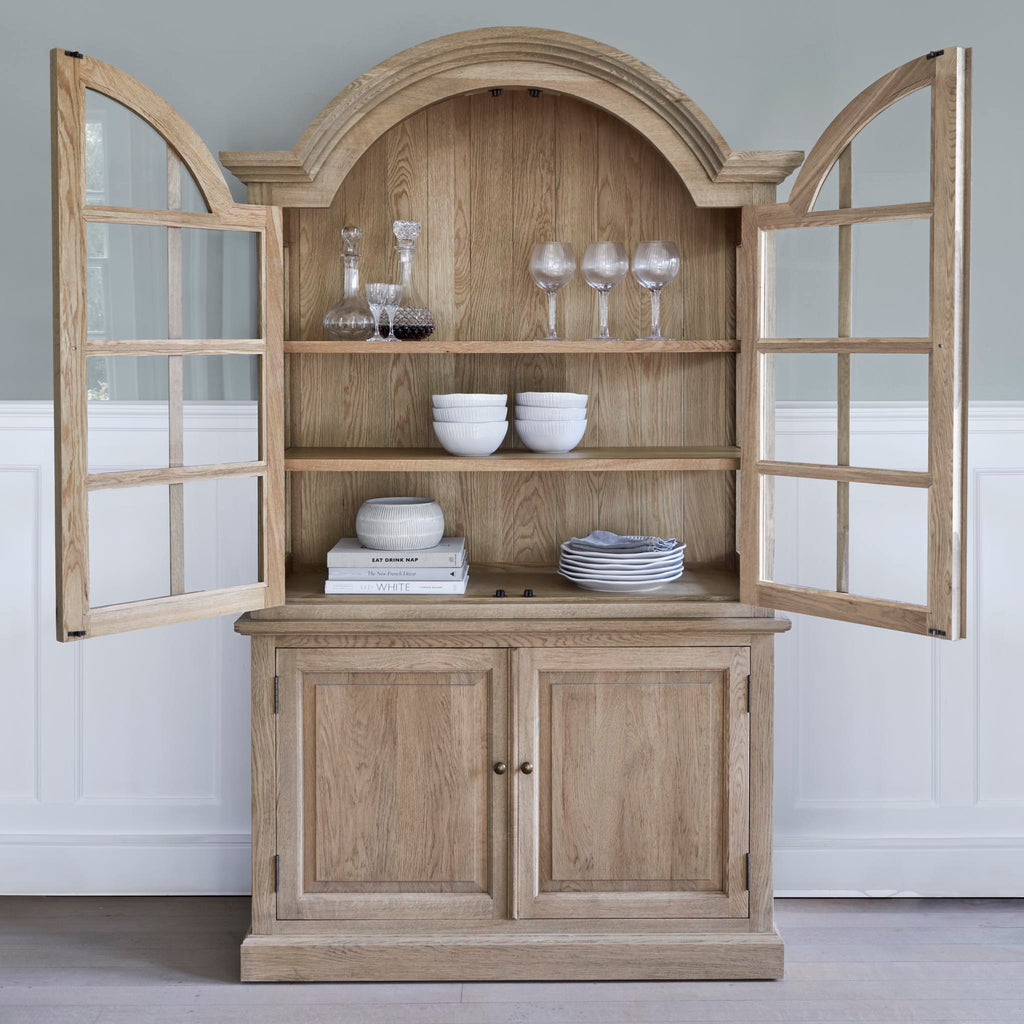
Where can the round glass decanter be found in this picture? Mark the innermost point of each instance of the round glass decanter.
(413, 320)
(350, 319)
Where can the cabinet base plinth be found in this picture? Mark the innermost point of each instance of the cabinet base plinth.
(538, 957)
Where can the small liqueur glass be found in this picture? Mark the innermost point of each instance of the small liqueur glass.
(392, 300)
(552, 266)
(376, 294)
(605, 264)
(654, 265)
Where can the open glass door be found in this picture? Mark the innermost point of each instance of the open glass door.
(168, 321)
(855, 290)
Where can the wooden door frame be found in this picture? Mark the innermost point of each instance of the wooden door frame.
(734, 901)
(71, 74)
(947, 73)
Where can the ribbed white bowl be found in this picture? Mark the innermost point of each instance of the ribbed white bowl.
(399, 524)
(548, 412)
(449, 401)
(551, 435)
(552, 399)
(472, 414)
(471, 438)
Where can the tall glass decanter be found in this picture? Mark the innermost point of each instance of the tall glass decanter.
(412, 319)
(350, 319)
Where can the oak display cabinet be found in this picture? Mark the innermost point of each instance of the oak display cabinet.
(573, 784)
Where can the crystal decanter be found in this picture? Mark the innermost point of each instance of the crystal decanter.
(350, 319)
(413, 319)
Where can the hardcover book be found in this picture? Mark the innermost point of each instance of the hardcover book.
(396, 586)
(348, 553)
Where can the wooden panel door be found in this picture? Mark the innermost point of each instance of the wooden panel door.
(392, 795)
(156, 272)
(913, 313)
(632, 772)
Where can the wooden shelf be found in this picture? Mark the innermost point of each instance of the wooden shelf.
(701, 592)
(432, 347)
(437, 460)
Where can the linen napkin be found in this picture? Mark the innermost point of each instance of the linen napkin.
(604, 540)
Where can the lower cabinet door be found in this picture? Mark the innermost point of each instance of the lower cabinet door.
(389, 803)
(631, 782)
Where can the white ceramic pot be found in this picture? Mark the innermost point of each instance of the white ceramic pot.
(472, 414)
(448, 401)
(551, 435)
(552, 399)
(546, 412)
(399, 524)
(471, 438)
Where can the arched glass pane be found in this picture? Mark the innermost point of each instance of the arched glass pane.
(125, 158)
(890, 158)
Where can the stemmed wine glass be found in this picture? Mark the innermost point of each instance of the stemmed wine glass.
(552, 265)
(392, 300)
(654, 265)
(376, 296)
(605, 264)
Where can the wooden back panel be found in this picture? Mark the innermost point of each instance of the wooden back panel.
(488, 177)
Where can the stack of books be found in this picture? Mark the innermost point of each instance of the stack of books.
(354, 569)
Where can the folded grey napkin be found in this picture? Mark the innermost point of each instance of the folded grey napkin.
(604, 540)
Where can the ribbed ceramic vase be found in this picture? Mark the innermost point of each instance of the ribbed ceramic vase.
(399, 524)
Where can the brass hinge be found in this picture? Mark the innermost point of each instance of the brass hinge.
(74, 53)
(936, 632)
(932, 54)
(746, 873)
(277, 693)
(277, 872)
(749, 693)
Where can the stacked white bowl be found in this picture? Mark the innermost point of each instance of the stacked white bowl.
(470, 424)
(551, 421)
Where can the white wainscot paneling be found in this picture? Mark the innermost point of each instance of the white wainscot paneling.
(124, 760)
(899, 768)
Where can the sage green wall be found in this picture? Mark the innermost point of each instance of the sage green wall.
(251, 74)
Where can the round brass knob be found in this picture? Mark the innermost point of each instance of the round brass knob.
(500, 767)
(526, 767)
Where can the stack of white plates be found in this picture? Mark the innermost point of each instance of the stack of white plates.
(470, 424)
(634, 572)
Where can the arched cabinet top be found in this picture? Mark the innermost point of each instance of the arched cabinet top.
(481, 59)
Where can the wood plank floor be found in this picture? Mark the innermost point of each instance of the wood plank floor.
(125, 960)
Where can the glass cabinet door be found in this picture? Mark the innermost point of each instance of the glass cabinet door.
(169, 356)
(854, 291)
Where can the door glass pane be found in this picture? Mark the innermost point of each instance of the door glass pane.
(805, 406)
(221, 414)
(891, 269)
(889, 411)
(806, 283)
(890, 158)
(126, 281)
(889, 542)
(805, 532)
(125, 159)
(129, 544)
(126, 412)
(191, 198)
(221, 533)
(220, 283)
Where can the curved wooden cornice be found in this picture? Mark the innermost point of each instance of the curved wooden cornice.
(310, 174)
(851, 120)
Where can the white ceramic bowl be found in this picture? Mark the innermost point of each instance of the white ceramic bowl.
(471, 414)
(471, 438)
(551, 435)
(399, 524)
(552, 399)
(450, 401)
(547, 412)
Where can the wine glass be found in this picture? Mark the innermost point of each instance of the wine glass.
(392, 300)
(654, 265)
(376, 295)
(605, 264)
(552, 265)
